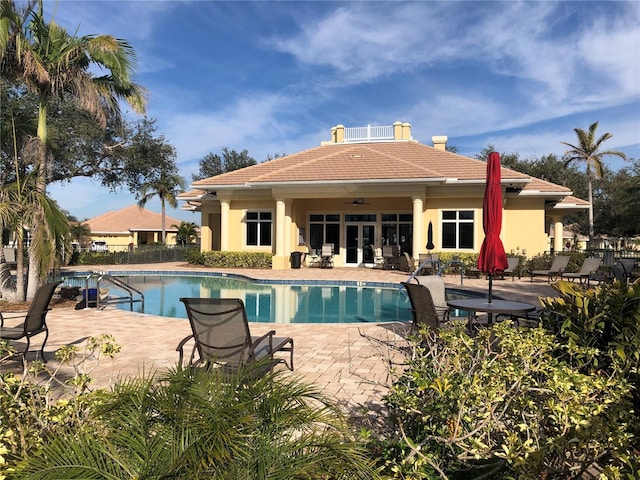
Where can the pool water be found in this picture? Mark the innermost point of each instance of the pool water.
(273, 303)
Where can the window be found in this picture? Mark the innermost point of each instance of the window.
(397, 229)
(324, 229)
(457, 229)
(259, 229)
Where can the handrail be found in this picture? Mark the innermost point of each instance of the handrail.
(441, 268)
(421, 266)
(95, 278)
(123, 285)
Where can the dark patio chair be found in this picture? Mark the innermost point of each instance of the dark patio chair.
(557, 268)
(423, 307)
(588, 270)
(513, 269)
(221, 335)
(628, 264)
(34, 320)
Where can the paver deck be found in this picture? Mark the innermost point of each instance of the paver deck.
(336, 357)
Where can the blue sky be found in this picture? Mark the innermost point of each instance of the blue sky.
(274, 77)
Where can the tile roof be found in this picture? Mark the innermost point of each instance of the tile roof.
(132, 218)
(404, 161)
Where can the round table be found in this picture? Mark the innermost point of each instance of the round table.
(496, 306)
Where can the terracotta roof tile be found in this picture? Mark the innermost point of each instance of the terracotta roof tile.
(130, 218)
(398, 161)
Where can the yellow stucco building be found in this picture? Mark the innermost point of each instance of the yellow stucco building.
(372, 186)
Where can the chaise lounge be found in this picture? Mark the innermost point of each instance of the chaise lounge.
(555, 271)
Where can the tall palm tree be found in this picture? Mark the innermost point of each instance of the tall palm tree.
(166, 186)
(50, 62)
(587, 151)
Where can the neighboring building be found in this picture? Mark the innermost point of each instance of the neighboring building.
(131, 226)
(372, 186)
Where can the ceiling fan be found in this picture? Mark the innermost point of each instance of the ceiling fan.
(358, 201)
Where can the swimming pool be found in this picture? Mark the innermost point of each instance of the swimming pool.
(269, 301)
(279, 302)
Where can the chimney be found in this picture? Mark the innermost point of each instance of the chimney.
(439, 142)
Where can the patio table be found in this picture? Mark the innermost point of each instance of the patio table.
(505, 307)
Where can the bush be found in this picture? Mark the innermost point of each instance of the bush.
(220, 259)
(207, 424)
(502, 405)
(38, 404)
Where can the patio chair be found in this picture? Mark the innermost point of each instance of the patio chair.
(557, 268)
(423, 307)
(436, 287)
(221, 335)
(326, 256)
(628, 264)
(513, 269)
(391, 256)
(429, 263)
(34, 320)
(588, 270)
(378, 260)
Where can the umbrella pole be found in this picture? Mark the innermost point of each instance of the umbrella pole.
(490, 287)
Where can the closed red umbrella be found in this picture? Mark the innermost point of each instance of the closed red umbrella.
(492, 257)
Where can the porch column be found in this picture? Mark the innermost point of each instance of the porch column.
(557, 235)
(224, 225)
(418, 206)
(281, 259)
(280, 227)
(287, 228)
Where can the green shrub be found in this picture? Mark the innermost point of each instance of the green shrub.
(600, 325)
(502, 405)
(207, 424)
(38, 404)
(220, 259)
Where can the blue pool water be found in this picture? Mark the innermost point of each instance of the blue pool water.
(271, 303)
(282, 302)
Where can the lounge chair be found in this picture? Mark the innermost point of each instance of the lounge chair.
(513, 268)
(588, 270)
(221, 335)
(423, 307)
(557, 268)
(326, 256)
(34, 320)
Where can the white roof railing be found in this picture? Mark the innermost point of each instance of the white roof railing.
(368, 134)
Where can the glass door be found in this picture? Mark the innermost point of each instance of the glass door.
(359, 237)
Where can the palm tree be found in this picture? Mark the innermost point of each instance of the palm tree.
(207, 423)
(166, 186)
(23, 204)
(587, 151)
(79, 232)
(187, 233)
(50, 63)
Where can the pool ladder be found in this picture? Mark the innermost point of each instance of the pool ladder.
(97, 279)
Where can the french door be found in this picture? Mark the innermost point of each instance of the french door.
(358, 238)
